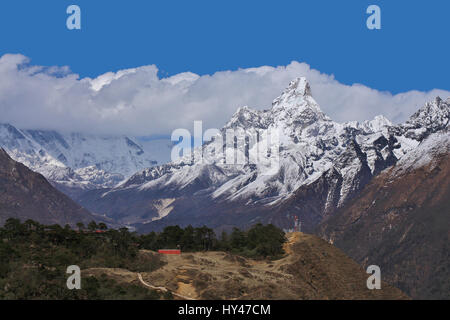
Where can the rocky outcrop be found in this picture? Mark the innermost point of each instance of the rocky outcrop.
(401, 221)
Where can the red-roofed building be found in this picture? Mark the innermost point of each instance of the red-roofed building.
(169, 251)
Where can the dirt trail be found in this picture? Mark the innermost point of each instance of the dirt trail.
(311, 269)
(292, 239)
(163, 289)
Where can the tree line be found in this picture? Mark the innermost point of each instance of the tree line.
(34, 257)
(260, 241)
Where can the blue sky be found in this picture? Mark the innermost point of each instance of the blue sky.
(205, 36)
(355, 73)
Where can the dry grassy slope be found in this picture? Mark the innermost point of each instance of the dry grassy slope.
(311, 269)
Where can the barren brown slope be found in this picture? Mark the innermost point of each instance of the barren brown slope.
(25, 194)
(401, 222)
(311, 269)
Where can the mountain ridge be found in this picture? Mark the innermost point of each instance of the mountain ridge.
(75, 162)
(400, 221)
(25, 195)
(346, 155)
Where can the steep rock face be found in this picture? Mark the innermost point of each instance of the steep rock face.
(311, 150)
(433, 117)
(318, 200)
(348, 175)
(25, 194)
(401, 221)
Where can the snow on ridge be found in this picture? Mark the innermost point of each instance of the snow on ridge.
(424, 154)
(91, 161)
(310, 143)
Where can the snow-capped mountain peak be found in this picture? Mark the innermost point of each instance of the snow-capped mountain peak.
(246, 117)
(378, 124)
(296, 96)
(296, 109)
(298, 87)
(319, 164)
(436, 111)
(432, 117)
(425, 154)
(294, 106)
(310, 146)
(76, 161)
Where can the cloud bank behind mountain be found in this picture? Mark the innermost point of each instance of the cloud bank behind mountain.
(138, 102)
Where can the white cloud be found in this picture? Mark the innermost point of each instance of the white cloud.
(136, 101)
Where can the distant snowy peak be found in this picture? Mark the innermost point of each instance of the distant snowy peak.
(79, 160)
(425, 154)
(292, 111)
(297, 90)
(296, 105)
(246, 117)
(432, 117)
(310, 144)
(434, 113)
(114, 154)
(320, 164)
(379, 124)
